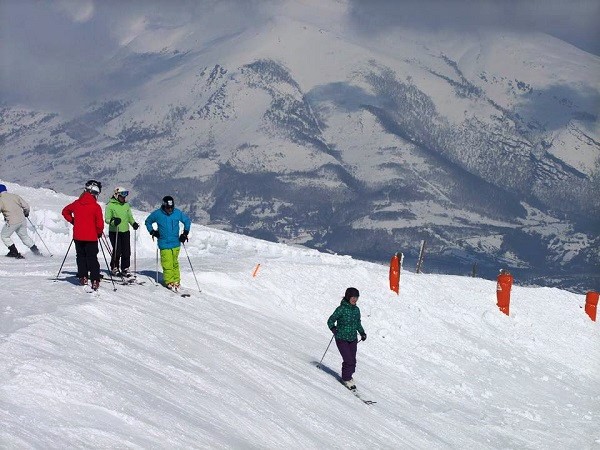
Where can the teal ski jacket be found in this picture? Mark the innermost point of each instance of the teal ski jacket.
(346, 318)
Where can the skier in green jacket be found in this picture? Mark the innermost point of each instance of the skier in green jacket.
(118, 216)
(344, 323)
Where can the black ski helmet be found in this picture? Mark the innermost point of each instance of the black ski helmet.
(93, 187)
(168, 202)
(351, 292)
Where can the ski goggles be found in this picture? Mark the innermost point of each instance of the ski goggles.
(123, 193)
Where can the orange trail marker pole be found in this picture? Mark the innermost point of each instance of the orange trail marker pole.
(591, 304)
(505, 281)
(255, 270)
(395, 273)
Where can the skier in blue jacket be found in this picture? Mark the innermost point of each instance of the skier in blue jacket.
(167, 233)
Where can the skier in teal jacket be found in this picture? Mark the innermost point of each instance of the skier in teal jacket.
(344, 323)
(167, 219)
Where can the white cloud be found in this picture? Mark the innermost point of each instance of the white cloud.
(79, 11)
(575, 21)
(128, 30)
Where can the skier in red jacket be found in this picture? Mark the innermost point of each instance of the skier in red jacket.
(88, 225)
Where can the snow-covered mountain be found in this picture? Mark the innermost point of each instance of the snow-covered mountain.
(235, 365)
(302, 130)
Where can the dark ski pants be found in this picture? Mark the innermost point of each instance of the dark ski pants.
(348, 352)
(123, 253)
(87, 260)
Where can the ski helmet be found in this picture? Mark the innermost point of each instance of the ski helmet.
(2, 188)
(168, 202)
(93, 187)
(121, 191)
(351, 292)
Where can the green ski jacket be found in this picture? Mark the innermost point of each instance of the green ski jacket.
(346, 318)
(114, 208)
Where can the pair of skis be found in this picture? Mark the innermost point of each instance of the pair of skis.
(334, 374)
(130, 281)
(87, 288)
(358, 396)
(178, 292)
(133, 280)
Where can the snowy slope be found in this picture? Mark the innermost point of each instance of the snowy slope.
(235, 365)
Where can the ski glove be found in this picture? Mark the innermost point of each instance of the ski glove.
(135, 226)
(363, 337)
(183, 237)
(155, 233)
(115, 221)
(334, 330)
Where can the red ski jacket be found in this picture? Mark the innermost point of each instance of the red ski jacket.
(86, 216)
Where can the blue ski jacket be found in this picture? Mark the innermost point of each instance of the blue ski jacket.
(168, 226)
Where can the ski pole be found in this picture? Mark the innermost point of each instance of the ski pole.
(104, 240)
(188, 257)
(36, 232)
(134, 254)
(65, 258)
(319, 365)
(157, 263)
(115, 254)
(107, 266)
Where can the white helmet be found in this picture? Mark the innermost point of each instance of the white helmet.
(93, 187)
(121, 191)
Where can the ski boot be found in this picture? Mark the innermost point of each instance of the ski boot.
(35, 250)
(14, 253)
(349, 384)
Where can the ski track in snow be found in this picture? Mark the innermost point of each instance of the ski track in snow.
(234, 365)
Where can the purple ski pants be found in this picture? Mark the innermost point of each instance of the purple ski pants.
(348, 352)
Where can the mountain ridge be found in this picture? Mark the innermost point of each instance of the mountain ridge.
(301, 134)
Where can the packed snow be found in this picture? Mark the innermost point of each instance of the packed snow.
(235, 365)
